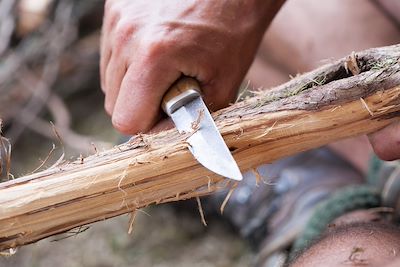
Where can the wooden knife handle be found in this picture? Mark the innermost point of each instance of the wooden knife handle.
(181, 92)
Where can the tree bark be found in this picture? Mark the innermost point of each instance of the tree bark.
(355, 95)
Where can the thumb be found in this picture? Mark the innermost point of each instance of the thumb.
(386, 142)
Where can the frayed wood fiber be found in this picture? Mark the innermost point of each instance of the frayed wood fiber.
(311, 110)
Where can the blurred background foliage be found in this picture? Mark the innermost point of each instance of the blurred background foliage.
(51, 109)
(49, 81)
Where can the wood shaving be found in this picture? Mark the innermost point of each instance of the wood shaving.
(335, 108)
(258, 176)
(203, 220)
(123, 176)
(45, 159)
(228, 196)
(351, 64)
(94, 148)
(9, 252)
(268, 130)
(132, 221)
(196, 124)
(366, 106)
(5, 148)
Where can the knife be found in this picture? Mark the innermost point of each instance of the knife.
(184, 104)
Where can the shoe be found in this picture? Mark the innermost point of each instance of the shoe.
(272, 213)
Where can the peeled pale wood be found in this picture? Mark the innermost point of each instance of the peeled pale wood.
(309, 111)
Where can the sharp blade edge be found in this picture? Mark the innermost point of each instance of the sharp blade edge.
(207, 144)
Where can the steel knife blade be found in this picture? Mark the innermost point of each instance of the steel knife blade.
(184, 104)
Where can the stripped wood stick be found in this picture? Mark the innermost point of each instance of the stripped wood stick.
(311, 110)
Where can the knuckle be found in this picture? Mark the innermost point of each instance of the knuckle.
(123, 33)
(107, 4)
(111, 13)
(111, 6)
(155, 46)
(152, 48)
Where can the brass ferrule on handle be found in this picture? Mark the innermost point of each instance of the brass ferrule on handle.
(181, 92)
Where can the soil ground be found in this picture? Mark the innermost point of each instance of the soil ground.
(163, 235)
(161, 238)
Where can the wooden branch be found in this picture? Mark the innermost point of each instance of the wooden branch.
(73, 53)
(311, 110)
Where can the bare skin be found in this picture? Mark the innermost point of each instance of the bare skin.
(357, 248)
(359, 238)
(313, 39)
(386, 142)
(147, 45)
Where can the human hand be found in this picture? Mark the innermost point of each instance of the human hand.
(147, 45)
(386, 142)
